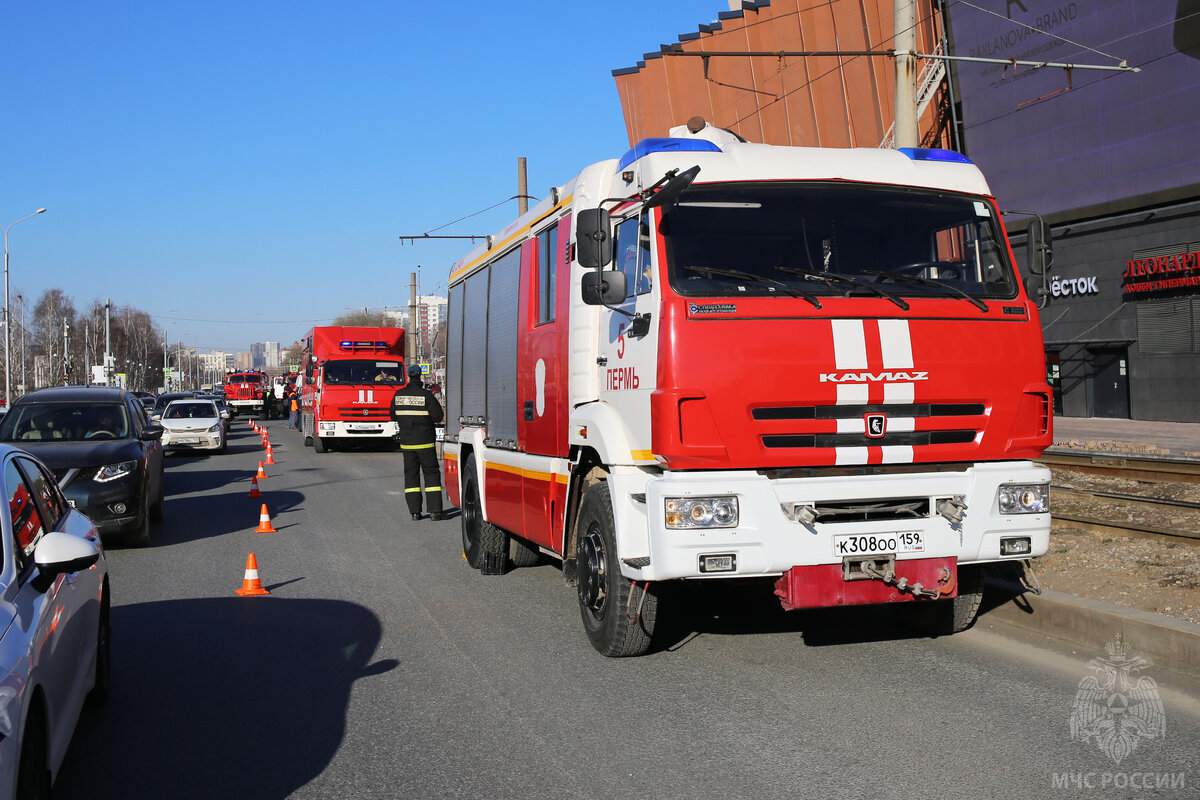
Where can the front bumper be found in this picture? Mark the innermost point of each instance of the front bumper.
(193, 440)
(767, 541)
(113, 507)
(333, 429)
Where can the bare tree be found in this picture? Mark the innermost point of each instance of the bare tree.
(52, 310)
(367, 318)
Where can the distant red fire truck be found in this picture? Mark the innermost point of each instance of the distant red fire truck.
(248, 392)
(717, 359)
(350, 376)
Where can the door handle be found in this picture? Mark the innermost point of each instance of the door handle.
(529, 414)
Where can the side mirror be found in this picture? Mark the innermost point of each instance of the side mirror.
(604, 287)
(673, 188)
(593, 238)
(152, 431)
(58, 553)
(1041, 247)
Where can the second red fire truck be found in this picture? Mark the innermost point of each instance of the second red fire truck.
(350, 375)
(718, 359)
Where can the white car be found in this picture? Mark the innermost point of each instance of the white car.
(54, 618)
(193, 424)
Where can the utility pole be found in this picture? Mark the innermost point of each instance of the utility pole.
(522, 187)
(66, 354)
(906, 74)
(107, 344)
(410, 342)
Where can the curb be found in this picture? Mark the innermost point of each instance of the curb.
(1091, 625)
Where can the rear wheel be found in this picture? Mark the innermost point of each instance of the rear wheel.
(522, 553)
(484, 544)
(618, 617)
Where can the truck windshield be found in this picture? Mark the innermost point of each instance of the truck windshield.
(826, 239)
(244, 379)
(359, 371)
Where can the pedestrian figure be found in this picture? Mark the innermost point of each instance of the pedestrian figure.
(293, 400)
(417, 412)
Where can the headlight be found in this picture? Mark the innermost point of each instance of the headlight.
(111, 472)
(701, 512)
(1024, 498)
(215, 428)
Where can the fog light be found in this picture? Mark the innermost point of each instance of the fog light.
(1019, 546)
(726, 562)
(118, 508)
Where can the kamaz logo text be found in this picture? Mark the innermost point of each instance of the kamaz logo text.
(872, 377)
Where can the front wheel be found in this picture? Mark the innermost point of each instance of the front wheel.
(320, 445)
(618, 617)
(944, 617)
(140, 536)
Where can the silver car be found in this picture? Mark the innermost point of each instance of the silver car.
(54, 645)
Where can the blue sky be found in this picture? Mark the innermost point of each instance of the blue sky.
(242, 171)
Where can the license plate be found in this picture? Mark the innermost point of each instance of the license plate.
(866, 544)
(361, 427)
(188, 440)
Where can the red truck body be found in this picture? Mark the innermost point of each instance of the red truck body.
(247, 392)
(350, 376)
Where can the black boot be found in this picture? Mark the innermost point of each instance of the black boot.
(437, 516)
(416, 516)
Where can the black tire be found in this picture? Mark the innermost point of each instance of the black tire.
(522, 553)
(320, 445)
(604, 593)
(98, 696)
(944, 617)
(140, 535)
(158, 508)
(308, 441)
(33, 774)
(483, 543)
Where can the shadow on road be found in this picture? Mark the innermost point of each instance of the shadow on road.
(232, 697)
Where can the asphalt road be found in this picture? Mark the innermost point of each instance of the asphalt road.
(381, 666)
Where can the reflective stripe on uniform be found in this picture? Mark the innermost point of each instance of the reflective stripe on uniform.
(417, 446)
(406, 491)
(431, 489)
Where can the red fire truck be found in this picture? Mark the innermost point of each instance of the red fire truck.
(350, 376)
(248, 392)
(718, 359)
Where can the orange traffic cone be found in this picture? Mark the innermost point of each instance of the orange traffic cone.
(264, 522)
(261, 475)
(254, 492)
(251, 585)
(270, 455)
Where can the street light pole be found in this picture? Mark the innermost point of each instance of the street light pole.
(7, 325)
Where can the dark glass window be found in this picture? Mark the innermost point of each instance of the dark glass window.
(547, 273)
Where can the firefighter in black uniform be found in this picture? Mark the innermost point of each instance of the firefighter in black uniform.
(416, 412)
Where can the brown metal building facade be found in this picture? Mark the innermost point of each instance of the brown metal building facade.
(785, 98)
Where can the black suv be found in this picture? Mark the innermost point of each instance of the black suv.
(107, 457)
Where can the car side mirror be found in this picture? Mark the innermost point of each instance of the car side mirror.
(58, 553)
(151, 432)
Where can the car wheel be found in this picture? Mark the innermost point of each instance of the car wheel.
(618, 618)
(484, 544)
(140, 536)
(98, 696)
(157, 510)
(33, 776)
(319, 445)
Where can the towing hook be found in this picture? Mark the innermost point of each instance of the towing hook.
(946, 583)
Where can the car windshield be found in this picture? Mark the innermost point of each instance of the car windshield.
(357, 371)
(65, 422)
(824, 239)
(192, 410)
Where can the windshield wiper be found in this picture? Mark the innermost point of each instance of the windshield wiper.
(902, 278)
(830, 277)
(748, 276)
